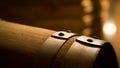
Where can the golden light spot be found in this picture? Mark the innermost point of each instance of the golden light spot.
(109, 29)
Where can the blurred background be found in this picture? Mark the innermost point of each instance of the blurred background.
(95, 18)
(74, 15)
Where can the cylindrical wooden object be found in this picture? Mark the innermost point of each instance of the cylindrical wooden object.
(23, 47)
(22, 38)
(23, 43)
(19, 44)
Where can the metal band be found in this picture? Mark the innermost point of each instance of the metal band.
(51, 46)
(57, 62)
(86, 50)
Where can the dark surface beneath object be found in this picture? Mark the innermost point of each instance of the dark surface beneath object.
(13, 59)
(106, 57)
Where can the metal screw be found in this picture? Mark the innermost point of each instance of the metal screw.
(89, 40)
(61, 34)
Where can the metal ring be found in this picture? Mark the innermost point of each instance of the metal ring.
(86, 50)
(51, 46)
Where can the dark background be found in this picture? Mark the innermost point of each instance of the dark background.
(53, 14)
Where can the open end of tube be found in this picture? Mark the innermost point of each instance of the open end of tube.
(106, 57)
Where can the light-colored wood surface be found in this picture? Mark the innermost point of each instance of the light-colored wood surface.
(20, 44)
(22, 38)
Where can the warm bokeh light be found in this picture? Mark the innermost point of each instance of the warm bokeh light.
(87, 19)
(87, 4)
(87, 31)
(109, 29)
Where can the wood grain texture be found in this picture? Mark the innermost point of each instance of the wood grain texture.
(20, 44)
(22, 38)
